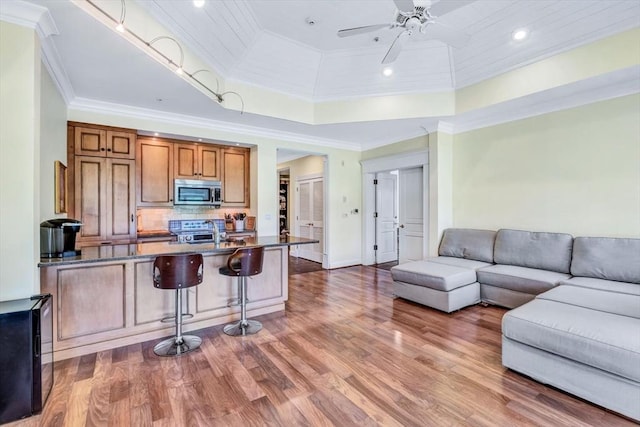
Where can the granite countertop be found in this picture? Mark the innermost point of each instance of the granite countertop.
(102, 253)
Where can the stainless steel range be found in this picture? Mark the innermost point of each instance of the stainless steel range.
(194, 230)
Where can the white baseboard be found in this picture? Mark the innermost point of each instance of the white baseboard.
(341, 264)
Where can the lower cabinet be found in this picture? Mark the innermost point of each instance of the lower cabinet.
(104, 305)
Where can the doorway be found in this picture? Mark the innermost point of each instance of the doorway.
(411, 231)
(305, 176)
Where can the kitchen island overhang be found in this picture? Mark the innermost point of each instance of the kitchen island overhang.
(105, 298)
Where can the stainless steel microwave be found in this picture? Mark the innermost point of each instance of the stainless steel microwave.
(197, 192)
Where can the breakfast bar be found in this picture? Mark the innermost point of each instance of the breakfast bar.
(105, 298)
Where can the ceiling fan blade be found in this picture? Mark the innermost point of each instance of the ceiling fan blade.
(445, 6)
(450, 36)
(360, 30)
(395, 48)
(404, 5)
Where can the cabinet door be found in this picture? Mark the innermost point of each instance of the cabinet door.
(235, 177)
(90, 142)
(185, 161)
(154, 179)
(121, 145)
(90, 195)
(209, 162)
(121, 199)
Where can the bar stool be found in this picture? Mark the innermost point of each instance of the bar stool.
(177, 272)
(243, 263)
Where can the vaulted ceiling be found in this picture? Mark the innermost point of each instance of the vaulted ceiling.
(289, 50)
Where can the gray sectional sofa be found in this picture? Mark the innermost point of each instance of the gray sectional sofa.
(576, 318)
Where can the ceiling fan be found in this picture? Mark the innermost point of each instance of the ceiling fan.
(417, 16)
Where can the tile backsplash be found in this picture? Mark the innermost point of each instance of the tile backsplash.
(151, 219)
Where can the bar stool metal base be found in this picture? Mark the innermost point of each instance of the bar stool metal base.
(176, 347)
(243, 327)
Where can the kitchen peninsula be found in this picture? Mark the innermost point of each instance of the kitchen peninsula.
(105, 297)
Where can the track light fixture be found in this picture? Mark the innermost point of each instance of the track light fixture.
(153, 51)
(179, 64)
(120, 26)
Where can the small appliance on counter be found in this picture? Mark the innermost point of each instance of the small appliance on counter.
(196, 230)
(26, 359)
(58, 238)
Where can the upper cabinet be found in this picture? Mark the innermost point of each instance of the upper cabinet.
(154, 169)
(196, 161)
(103, 142)
(235, 177)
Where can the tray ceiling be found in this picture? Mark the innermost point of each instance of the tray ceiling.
(268, 44)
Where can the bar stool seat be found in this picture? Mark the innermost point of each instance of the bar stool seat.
(177, 272)
(243, 263)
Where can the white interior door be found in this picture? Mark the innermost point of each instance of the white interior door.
(386, 246)
(411, 212)
(309, 218)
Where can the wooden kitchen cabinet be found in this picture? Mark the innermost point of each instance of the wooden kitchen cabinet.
(235, 177)
(105, 199)
(196, 161)
(104, 142)
(154, 169)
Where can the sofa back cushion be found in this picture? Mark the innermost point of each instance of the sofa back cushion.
(468, 244)
(546, 251)
(607, 258)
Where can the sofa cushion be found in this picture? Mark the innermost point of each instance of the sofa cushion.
(433, 275)
(546, 251)
(522, 279)
(595, 299)
(468, 243)
(605, 285)
(607, 258)
(459, 262)
(596, 338)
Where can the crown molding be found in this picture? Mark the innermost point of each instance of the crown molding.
(39, 18)
(601, 88)
(100, 107)
(29, 15)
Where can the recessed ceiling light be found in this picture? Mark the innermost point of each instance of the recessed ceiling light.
(387, 71)
(198, 3)
(519, 34)
(156, 134)
(200, 139)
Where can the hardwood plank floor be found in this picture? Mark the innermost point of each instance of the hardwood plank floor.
(344, 352)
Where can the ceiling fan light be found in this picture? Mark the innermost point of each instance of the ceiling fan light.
(198, 3)
(519, 34)
(387, 71)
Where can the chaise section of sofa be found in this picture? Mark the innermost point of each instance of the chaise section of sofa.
(583, 336)
(527, 264)
(448, 281)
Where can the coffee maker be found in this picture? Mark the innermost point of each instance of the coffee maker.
(58, 238)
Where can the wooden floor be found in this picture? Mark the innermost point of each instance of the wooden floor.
(344, 353)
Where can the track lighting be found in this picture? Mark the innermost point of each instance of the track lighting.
(148, 48)
(120, 26)
(181, 63)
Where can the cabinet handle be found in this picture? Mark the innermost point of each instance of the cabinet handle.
(109, 149)
(102, 149)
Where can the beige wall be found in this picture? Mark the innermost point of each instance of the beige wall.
(574, 171)
(53, 143)
(19, 161)
(414, 144)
